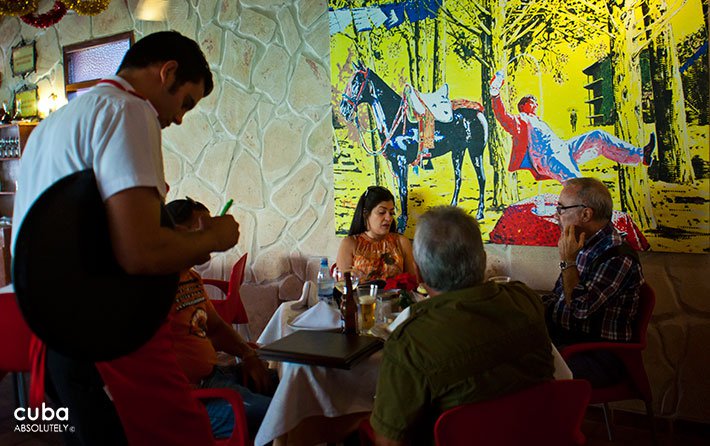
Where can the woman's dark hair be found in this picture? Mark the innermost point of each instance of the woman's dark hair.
(373, 196)
(171, 45)
(181, 210)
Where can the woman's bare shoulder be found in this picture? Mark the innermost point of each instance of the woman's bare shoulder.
(404, 240)
(350, 240)
(348, 243)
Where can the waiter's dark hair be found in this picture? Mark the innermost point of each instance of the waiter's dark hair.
(171, 45)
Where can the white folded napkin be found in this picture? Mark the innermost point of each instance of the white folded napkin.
(320, 317)
(304, 300)
(401, 317)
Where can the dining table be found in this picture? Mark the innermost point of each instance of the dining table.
(314, 404)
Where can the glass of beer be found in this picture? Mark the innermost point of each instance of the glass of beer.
(366, 307)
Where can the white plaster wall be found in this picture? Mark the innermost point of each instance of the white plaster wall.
(263, 138)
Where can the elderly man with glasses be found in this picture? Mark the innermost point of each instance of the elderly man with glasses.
(596, 296)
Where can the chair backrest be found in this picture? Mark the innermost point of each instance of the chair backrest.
(14, 336)
(240, 432)
(550, 413)
(234, 299)
(647, 301)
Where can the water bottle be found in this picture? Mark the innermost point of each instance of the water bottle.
(325, 283)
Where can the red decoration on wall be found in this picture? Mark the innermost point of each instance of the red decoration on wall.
(49, 18)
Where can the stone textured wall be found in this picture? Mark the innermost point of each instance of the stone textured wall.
(263, 138)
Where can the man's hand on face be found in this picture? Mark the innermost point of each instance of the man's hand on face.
(569, 245)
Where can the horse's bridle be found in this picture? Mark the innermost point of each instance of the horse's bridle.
(353, 101)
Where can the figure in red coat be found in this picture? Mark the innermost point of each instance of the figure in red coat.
(547, 156)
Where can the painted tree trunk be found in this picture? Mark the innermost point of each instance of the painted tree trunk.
(439, 55)
(634, 191)
(669, 102)
(494, 57)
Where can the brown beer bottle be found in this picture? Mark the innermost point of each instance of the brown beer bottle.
(349, 307)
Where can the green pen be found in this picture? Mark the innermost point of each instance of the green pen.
(226, 207)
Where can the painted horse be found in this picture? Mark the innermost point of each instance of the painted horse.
(400, 138)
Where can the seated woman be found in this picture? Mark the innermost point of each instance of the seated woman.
(373, 246)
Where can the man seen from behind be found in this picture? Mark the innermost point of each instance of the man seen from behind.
(471, 341)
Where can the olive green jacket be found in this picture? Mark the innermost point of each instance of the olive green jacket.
(459, 347)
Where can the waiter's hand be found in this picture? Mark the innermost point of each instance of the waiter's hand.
(224, 231)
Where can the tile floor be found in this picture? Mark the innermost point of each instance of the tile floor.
(630, 429)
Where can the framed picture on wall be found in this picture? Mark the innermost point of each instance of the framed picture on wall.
(26, 99)
(23, 59)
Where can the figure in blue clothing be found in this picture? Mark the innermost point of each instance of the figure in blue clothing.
(547, 156)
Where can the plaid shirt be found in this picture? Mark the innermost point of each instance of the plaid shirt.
(605, 301)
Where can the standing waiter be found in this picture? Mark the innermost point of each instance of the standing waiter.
(115, 130)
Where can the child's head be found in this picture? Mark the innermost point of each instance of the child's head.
(186, 213)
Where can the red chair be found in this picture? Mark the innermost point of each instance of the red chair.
(14, 346)
(231, 308)
(240, 434)
(550, 413)
(367, 433)
(15, 358)
(635, 384)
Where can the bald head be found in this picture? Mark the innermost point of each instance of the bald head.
(594, 195)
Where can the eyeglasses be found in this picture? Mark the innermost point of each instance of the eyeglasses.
(561, 208)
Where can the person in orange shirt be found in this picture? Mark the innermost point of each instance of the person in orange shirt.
(373, 248)
(199, 332)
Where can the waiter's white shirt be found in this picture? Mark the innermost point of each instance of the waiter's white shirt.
(107, 129)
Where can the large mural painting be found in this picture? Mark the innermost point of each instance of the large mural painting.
(492, 105)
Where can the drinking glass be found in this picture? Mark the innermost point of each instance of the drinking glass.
(383, 309)
(339, 277)
(366, 309)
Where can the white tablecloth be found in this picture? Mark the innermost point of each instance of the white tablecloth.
(306, 391)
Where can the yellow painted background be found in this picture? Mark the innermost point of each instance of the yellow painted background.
(354, 169)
